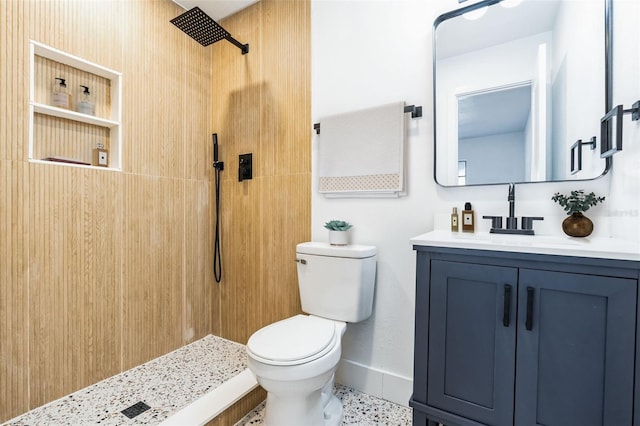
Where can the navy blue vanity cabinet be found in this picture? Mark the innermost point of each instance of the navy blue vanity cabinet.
(519, 339)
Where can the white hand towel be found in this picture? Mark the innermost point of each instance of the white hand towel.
(363, 151)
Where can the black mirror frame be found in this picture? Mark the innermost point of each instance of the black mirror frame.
(608, 89)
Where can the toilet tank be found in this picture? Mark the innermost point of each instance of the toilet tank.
(336, 282)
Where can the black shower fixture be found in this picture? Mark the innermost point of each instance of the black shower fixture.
(203, 29)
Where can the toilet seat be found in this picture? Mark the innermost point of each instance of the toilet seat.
(293, 341)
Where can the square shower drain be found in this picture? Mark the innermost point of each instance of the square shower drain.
(135, 410)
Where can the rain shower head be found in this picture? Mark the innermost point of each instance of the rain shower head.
(203, 29)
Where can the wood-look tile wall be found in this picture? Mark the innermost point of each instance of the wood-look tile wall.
(103, 270)
(261, 105)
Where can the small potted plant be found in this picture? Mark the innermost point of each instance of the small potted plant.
(338, 232)
(576, 203)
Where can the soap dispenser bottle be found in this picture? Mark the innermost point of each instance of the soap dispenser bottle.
(85, 102)
(61, 96)
(454, 220)
(468, 219)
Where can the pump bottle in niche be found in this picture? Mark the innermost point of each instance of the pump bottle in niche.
(61, 96)
(85, 102)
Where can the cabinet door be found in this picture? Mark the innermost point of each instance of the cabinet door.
(575, 353)
(472, 341)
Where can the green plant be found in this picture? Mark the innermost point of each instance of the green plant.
(337, 225)
(577, 201)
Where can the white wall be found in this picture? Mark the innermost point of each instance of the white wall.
(367, 53)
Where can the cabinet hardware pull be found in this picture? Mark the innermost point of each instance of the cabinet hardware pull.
(529, 320)
(506, 310)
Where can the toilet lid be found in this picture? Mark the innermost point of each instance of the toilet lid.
(299, 338)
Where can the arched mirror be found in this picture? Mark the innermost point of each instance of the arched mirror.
(520, 87)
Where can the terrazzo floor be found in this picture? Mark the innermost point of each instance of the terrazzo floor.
(173, 381)
(359, 409)
(166, 384)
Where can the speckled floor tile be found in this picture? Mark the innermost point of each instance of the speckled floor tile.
(359, 409)
(166, 384)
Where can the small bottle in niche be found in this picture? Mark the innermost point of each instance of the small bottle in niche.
(85, 102)
(61, 96)
(454, 220)
(468, 220)
(100, 156)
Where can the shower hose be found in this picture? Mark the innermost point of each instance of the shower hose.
(217, 260)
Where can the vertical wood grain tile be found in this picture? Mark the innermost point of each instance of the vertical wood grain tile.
(14, 289)
(201, 292)
(262, 105)
(152, 278)
(14, 81)
(286, 100)
(154, 101)
(73, 279)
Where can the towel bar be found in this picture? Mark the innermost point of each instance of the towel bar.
(416, 112)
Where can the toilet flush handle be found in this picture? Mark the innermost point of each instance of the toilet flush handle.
(302, 261)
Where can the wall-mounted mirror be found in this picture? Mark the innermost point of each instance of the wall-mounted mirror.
(516, 84)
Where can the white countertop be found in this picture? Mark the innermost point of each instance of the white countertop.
(595, 247)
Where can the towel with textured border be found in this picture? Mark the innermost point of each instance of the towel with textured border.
(362, 152)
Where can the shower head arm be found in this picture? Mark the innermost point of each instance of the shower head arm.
(243, 47)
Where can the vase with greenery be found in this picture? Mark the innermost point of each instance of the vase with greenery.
(338, 232)
(575, 204)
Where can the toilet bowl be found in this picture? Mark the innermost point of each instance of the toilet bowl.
(295, 360)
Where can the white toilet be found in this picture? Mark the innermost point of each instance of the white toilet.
(295, 359)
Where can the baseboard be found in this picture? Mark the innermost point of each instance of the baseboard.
(372, 381)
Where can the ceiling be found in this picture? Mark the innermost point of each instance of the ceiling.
(216, 9)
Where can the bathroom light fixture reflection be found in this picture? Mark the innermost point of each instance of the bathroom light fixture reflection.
(475, 14)
(510, 3)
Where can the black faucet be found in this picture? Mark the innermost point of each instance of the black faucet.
(512, 220)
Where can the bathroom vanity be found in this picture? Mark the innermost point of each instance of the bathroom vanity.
(520, 330)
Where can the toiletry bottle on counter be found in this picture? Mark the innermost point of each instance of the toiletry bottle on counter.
(468, 219)
(100, 156)
(454, 220)
(61, 96)
(85, 102)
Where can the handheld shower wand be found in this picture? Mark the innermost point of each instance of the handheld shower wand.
(218, 167)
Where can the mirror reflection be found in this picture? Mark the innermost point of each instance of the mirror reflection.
(517, 83)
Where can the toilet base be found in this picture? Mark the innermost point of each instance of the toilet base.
(318, 408)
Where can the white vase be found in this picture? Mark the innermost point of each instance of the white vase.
(339, 238)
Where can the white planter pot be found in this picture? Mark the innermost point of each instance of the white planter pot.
(339, 238)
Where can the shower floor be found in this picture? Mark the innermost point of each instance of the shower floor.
(166, 385)
(179, 386)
